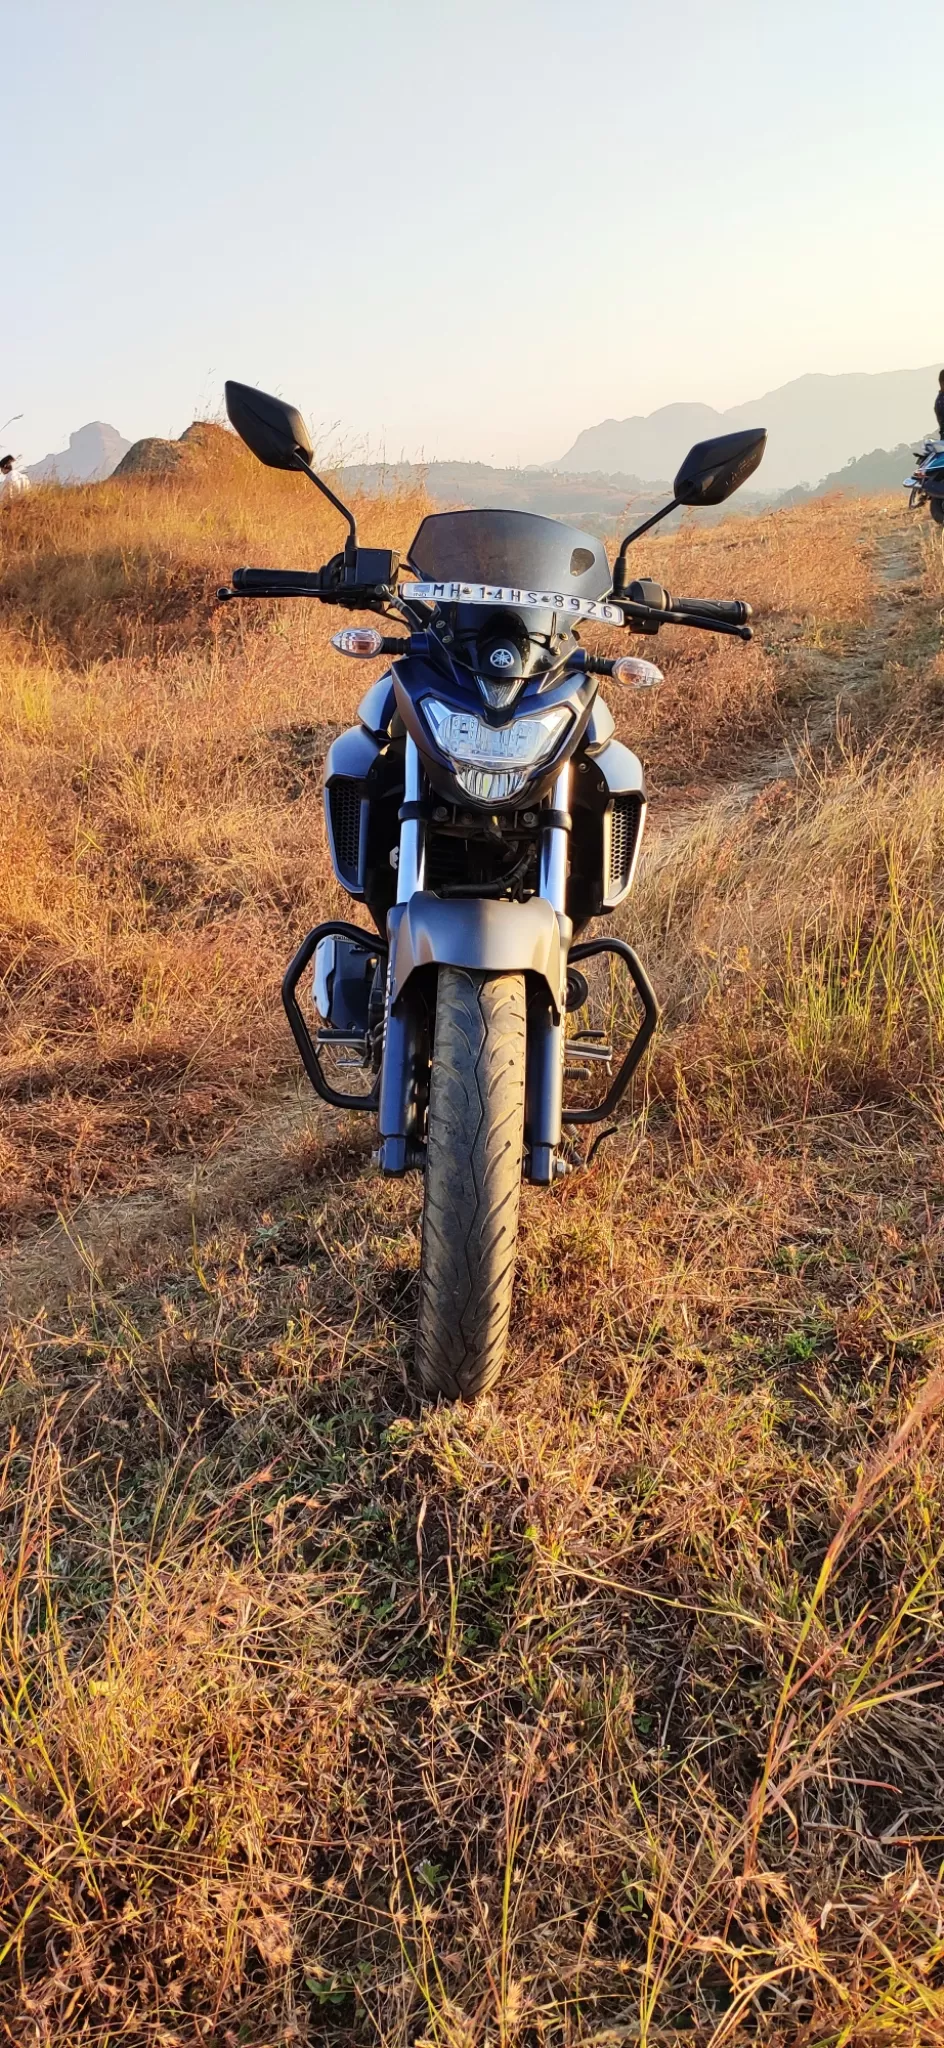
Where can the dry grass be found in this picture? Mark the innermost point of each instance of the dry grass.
(932, 552)
(615, 1703)
(130, 567)
(611, 1710)
(809, 576)
(802, 934)
(159, 773)
(810, 561)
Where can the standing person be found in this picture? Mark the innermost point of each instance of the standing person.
(939, 408)
(12, 480)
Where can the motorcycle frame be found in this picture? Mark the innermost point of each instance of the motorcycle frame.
(425, 932)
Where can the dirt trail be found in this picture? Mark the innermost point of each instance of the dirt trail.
(834, 681)
(259, 1159)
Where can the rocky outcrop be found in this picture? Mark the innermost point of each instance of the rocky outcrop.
(153, 457)
(150, 457)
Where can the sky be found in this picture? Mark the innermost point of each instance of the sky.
(456, 230)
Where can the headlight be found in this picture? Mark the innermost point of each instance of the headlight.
(497, 759)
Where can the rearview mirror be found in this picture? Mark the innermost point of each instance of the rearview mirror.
(274, 431)
(277, 434)
(712, 470)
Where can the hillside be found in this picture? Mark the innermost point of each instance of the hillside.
(883, 469)
(816, 424)
(595, 503)
(609, 1711)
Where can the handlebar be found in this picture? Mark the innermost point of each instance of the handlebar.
(360, 579)
(645, 607)
(279, 582)
(735, 614)
(303, 583)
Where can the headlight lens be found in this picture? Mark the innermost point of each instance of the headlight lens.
(525, 743)
(492, 785)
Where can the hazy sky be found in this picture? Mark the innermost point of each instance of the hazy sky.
(461, 227)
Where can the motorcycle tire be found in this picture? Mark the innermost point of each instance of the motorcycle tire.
(936, 509)
(475, 1136)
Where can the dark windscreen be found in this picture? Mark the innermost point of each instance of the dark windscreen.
(518, 548)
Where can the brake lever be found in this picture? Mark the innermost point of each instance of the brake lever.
(707, 625)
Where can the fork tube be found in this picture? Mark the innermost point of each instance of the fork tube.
(402, 1036)
(411, 868)
(545, 1035)
(552, 873)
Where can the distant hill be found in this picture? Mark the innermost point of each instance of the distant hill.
(816, 425)
(883, 469)
(93, 453)
(595, 503)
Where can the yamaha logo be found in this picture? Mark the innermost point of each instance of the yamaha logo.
(501, 657)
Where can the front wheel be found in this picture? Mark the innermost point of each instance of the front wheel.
(475, 1137)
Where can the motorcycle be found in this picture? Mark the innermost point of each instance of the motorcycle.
(926, 486)
(484, 813)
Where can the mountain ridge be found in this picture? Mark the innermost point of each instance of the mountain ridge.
(816, 424)
(93, 453)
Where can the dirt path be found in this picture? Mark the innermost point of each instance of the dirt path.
(260, 1158)
(834, 682)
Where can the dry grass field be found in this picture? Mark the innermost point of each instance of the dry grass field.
(609, 1711)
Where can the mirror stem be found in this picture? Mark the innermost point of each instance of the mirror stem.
(619, 566)
(351, 542)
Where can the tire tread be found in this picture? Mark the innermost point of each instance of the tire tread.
(473, 1182)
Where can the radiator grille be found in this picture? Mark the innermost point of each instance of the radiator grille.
(452, 861)
(625, 814)
(344, 810)
(447, 861)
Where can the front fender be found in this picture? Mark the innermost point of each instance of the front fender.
(487, 937)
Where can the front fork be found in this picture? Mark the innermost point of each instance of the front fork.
(545, 1032)
(399, 1076)
(403, 1048)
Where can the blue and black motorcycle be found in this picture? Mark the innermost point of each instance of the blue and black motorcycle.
(926, 486)
(485, 815)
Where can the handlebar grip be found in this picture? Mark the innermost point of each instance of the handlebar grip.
(734, 614)
(275, 582)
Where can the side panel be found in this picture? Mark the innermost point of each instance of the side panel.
(350, 760)
(621, 768)
(353, 753)
(608, 805)
(623, 820)
(377, 707)
(601, 728)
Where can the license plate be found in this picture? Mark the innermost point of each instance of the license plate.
(513, 599)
